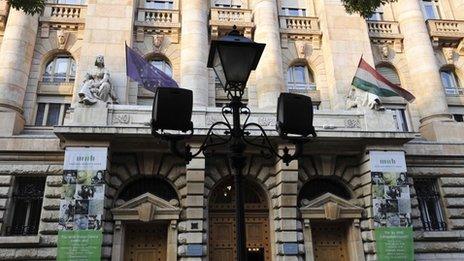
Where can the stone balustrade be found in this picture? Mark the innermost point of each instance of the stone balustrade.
(299, 24)
(448, 33)
(383, 29)
(158, 17)
(150, 21)
(223, 19)
(64, 13)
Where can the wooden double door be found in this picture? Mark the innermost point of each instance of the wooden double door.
(222, 243)
(330, 241)
(145, 242)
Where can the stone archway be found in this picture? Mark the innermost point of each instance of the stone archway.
(222, 222)
(331, 221)
(146, 219)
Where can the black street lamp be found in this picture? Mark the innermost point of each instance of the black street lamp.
(233, 57)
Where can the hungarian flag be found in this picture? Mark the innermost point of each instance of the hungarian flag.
(369, 80)
(143, 72)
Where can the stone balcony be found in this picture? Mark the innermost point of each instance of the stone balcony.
(132, 121)
(4, 7)
(157, 21)
(62, 16)
(223, 19)
(300, 28)
(386, 32)
(447, 33)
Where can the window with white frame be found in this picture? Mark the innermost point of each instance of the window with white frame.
(428, 196)
(450, 81)
(159, 4)
(26, 206)
(431, 9)
(228, 3)
(162, 65)
(300, 79)
(50, 113)
(71, 2)
(399, 116)
(290, 11)
(62, 68)
(389, 73)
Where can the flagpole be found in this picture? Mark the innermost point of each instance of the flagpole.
(351, 84)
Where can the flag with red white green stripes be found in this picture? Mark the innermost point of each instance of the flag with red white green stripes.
(369, 80)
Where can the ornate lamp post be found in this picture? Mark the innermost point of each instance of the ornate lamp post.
(233, 57)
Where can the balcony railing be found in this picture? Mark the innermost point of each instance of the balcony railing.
(223, 19)
(383, 29)
(299, 25)
(454, 91)
(446, 28)
(158, 17)
(61, 13)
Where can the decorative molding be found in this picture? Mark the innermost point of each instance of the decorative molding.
(298, 28)
(121, 119)
(331, 207)
(386, 33)
(223, 19)
(63, 17)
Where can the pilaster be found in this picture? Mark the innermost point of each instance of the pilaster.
(16, 52)
(192, 235)
(269, 74)
(194, 51)
(288, 235)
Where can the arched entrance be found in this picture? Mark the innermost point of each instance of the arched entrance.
(222, 222)
(331, 221)
(146, 215)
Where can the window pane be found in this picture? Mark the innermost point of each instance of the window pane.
(429, 204)
(448, 79)
(40, 114)
(163, 66)
(299, 75)
(53, 114)
(48, 72)
(390, 74)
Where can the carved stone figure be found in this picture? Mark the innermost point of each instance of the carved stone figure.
(62, 36)
(448, 53)
(158, 40)
(97, 85)
(301, 49)
(357, 98)
(384, 51)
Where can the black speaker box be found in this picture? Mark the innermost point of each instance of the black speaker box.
(172, 109)
(295, 115)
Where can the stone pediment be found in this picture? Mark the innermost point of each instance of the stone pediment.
(332, 207)
(146, 207)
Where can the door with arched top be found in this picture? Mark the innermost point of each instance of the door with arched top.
(222, 222)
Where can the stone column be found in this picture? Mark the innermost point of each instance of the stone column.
(16, 57)
(287, 228)
(422, 65)
(191, 229)
(194, 51)
(269, 74)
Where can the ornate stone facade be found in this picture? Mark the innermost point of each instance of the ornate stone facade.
(44, 60)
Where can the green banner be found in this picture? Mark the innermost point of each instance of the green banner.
(394, 244)
(79, 245)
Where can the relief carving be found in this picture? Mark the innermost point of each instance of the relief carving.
(62, 38)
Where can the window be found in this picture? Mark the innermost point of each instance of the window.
(458, 117)
(300, 79)
(429, 204)
(376, 16)
(26, 206)
(399, 115)
(431, 9)
(162, 65)
(389, 73)
(294, 11)
(450, 81)
(50, 114)
(228, 3)
(61, 69)
(70, 2)
(159, 4)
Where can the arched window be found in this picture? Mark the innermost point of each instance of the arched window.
(62, 68)
(431, 9)
(71, 2)
(159, 4)
(162, 65)
(319, 186)
(300, 79)
(389, 73)
(450, 81)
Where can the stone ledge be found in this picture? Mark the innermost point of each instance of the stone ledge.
(19, 241)
(439, 235)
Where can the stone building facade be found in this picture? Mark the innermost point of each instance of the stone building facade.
(312, 47)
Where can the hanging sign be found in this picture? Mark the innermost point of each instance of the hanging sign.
(82, 204)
